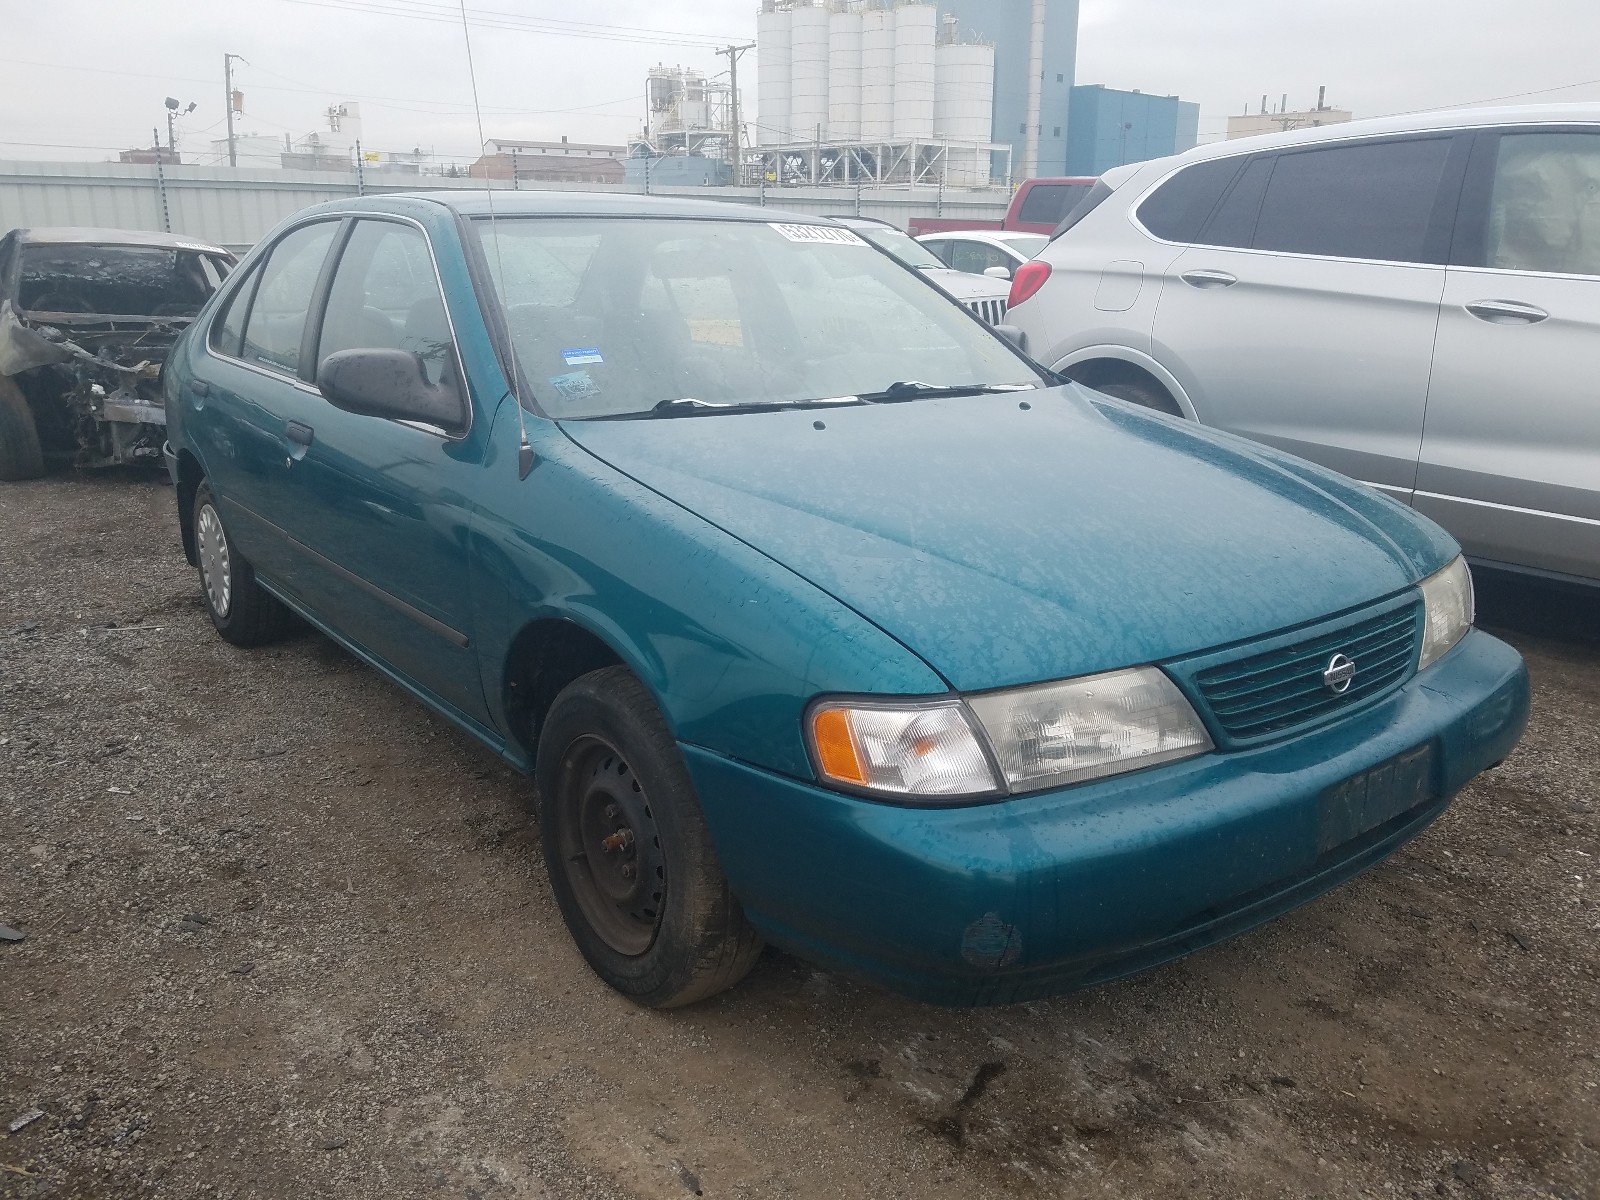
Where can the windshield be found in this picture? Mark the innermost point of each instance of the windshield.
(619, 317)
(145, 281)
(903, 246)
(1029, 245)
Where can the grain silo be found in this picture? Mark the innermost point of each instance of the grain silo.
(772, 87)
(844, 76)
(915, 28)
(808, 73)
(877, 75)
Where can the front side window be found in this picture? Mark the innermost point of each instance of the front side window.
(1544, 210)
(386, 296)
(977, 257)
(1371, 200)
(615, 317)
(277, 321)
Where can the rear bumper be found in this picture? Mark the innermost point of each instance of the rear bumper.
(1040, 894)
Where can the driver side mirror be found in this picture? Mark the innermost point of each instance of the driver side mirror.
(998, 272)
(391, 384)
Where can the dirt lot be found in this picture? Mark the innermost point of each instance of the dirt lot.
(289, 936)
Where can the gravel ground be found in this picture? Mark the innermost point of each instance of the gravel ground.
(288, 935)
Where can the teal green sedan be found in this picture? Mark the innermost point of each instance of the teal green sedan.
(819, 614)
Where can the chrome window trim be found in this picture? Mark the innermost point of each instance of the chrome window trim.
(302, 385)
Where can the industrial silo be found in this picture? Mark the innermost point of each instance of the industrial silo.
(772, 62)
(877, 75)
(808, 73)
(844, 76)
(914, 34)
(963, 109)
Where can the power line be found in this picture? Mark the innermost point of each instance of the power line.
(416, 10)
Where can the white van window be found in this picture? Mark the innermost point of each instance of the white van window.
(1544, 212)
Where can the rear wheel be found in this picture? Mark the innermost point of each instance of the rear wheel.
(20, 454)
(629, 856)
(1143, 394)
(242, 612)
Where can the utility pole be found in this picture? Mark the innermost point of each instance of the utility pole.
(228, 103)
(733, 53)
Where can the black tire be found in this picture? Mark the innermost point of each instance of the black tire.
(20, 454)
(242, 612)
(1143, 394)
(656, 921)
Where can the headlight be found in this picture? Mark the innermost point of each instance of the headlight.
(1038, 737)
(1060, 733)
(1448, 611)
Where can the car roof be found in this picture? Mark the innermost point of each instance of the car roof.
(1423, 122)
(572, 204)
(88, 235)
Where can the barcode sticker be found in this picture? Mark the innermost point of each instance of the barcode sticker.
(826, 235)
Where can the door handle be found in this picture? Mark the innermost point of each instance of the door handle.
(199, 387)
(1506, 312)
(1208, 279)
(297, 433)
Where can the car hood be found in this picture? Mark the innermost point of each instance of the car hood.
(1007, 544)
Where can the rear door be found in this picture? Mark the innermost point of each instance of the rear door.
(1305, 316)
(1511, 448)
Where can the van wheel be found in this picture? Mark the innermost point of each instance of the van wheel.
(20, 454)
(1142, 394)
(630, 859)
(242, 612)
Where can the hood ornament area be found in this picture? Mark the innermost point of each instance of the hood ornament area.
(1339, 674)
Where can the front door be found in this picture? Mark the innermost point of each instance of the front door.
(1305, 318)
(382, 505)
(1511, 450)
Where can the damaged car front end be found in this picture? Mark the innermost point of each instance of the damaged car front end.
(87, 318)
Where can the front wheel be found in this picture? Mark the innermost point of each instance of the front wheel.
(629, 856)
(20, 453)
(242, 612)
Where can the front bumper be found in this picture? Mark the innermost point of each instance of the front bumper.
(1001, 902)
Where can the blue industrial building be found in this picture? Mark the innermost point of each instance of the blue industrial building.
(1107, 128)
(1009, 25)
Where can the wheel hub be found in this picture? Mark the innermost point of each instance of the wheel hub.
(216, 568)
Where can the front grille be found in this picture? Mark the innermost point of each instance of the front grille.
(992, 311)
(1281, 689)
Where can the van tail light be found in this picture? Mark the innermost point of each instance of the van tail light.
(1030, 277)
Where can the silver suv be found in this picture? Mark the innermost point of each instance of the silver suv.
(1412, 301)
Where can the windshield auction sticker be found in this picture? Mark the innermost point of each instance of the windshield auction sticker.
(826, 235)
(583, 356)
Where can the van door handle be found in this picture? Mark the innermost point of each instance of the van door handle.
(1209, 279)
(299, 434)
(1506, 312)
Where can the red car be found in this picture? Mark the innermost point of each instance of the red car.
(1037, 207)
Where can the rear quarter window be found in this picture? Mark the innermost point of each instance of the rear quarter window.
(1177, 210)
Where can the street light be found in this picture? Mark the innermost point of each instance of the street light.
(173, 105)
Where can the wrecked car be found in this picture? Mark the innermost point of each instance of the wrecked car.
(87, 317)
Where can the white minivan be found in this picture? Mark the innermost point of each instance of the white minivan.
(1413, 301)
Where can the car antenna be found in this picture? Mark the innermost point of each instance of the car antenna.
(525, 447)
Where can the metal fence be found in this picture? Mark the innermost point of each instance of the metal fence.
(236, 206)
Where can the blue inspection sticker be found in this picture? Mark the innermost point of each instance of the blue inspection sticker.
(582, 357)
(576, 385)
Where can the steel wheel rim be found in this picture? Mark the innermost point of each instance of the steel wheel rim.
(610, 846)
(216, 568)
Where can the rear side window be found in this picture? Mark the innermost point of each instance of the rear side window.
(1047, 203)
(1371, 200)
(1177, 210)
(277, 321)
(1092, 199)
(227, 330)
(1544, 210)
(1234, 223)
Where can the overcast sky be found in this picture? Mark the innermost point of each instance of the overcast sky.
(85, 78)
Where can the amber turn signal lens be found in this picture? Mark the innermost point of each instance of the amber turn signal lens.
(837, 754)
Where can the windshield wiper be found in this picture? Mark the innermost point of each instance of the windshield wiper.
(691, 406)
(911, 389)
